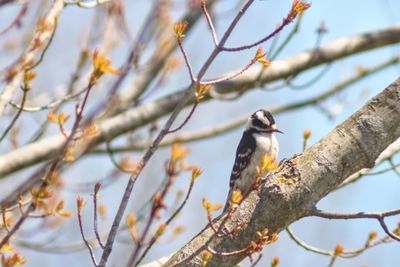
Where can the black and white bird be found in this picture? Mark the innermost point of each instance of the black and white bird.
(258, 140)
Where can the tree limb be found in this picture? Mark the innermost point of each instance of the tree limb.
(292, 191)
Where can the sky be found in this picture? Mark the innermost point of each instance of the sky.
(215, 156)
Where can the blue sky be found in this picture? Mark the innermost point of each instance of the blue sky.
(215, 156)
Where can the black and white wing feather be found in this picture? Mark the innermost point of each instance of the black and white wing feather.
(244, 152)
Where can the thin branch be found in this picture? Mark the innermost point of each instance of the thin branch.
(289, 19)
(230, 76)
(89, 247)
(167, 222)
(186, 119)
(87, 3)
(14, 120)
(209, 22)
(50, 105)
(380, 216)
(187, 62)
(95, 224)
(394, 166)
(17, 22)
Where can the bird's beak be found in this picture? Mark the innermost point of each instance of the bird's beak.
(276, 129)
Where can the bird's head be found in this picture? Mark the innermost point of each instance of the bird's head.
(262, 121)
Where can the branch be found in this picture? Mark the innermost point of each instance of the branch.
(138, 117)
(380, 216)
(292, 191)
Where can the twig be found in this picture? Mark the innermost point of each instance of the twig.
(187, 62)
(380, 216)
(186, 119)
(232, 75)
(289, 18)
(156, 207)
(50, 105)
(167, 222)
(89, 247)
(394, 166)
(209, 22)
(95, 225)
(41, 57)
(24, 94)
(17, 21)
(257, 260)
(86, 3)
(4, 218)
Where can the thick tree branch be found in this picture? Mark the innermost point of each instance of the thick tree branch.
(137, 117)
(292, 191)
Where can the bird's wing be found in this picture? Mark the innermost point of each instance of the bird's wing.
(244, 152)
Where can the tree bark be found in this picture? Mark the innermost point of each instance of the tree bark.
(292, 191)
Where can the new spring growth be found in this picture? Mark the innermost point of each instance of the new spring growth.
(179, 29)
(131, 221)
(298, 8)
(263, 239)
(210, 207)
(59, 119)
(28, 77)
(13, 260)
(59, 209)
(160, 230)
(371, 237)
(260, 57)
(196, 172)
(80, 202)
(206, 257)
(236, 198)
(274, 261)
(306, 136)
(201, 90)
(202, 3)
(178, 153)
(338, 250)
(101, 65)
(267, 164)
(42, 193)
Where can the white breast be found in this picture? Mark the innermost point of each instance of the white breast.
(267, 144)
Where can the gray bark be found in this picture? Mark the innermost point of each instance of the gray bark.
(295, 188)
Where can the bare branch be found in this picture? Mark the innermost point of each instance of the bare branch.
(380, 216)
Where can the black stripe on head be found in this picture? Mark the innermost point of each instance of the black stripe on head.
(262, 119)
(268, 115)
(256, 122)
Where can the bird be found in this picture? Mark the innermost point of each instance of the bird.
(258, 140)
